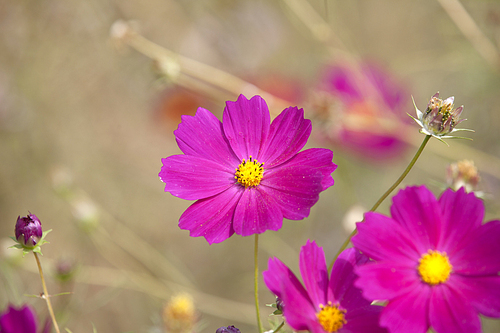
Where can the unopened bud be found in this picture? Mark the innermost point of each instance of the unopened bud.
(28, 230)
(228, 329)
(463, 174)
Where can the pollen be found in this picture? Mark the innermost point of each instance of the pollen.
(249, 173)
(331, 317)
(434, 267)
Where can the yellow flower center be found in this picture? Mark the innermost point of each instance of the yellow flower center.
(434, 267)
(249, 173)
(331, 317)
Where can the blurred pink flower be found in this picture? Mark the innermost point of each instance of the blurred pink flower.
(22, 320)
(361, 110)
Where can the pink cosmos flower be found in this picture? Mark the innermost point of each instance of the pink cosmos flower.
(435, 263)
(325, 305)
(361, 110)
(246, 173)
(22, 320)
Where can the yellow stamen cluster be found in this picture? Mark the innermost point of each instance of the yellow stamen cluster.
(445, 109)
(331, 317)
(249, 173)
(434, 267)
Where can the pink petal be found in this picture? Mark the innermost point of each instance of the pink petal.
(364, 320)
(450, 312)
(483, 292)
(382, 238)
(418, 211)
(314, 272)
(462, 212)
(201, 135)
(288, 135)
(314, 326)
(478, 253)
(342, 279)
(299, 311)
(386, 280)
(191, 177)
(369, 144)
(212, 217)
(295, 189)
(408, 312)
(319, 159)
(256, 212)
(341, 82)
(246, 126)
(22, 320)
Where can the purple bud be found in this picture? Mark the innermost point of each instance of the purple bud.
(65, 269)
(229, 329)
(28, 230)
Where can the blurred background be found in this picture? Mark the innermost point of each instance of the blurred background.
(91, 92)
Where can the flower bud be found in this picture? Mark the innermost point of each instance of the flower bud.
(179, 314)
(440, 118)
(28, 230)
(229, 329)
(463, 174)
(65, 270)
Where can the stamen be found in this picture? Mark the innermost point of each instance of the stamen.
(331, 317)
(434, 267)
(249, 173)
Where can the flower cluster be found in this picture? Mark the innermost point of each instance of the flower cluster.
(433, 262)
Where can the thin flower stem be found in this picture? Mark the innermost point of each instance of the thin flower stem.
(256, 283)
(386, 194)
(46, 295)
(403, 175)
(279, 327)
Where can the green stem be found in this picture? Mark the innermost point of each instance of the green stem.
(279, 327)
(386, 194)
(46, 295)
(403, 175)
(256, 283)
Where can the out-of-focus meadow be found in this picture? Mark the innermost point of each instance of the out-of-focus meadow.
(86, 116)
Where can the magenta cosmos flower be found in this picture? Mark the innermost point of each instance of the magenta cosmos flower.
(361, 109)
(325, 305)
(22, 320)
(435, 262)
(246, 173)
